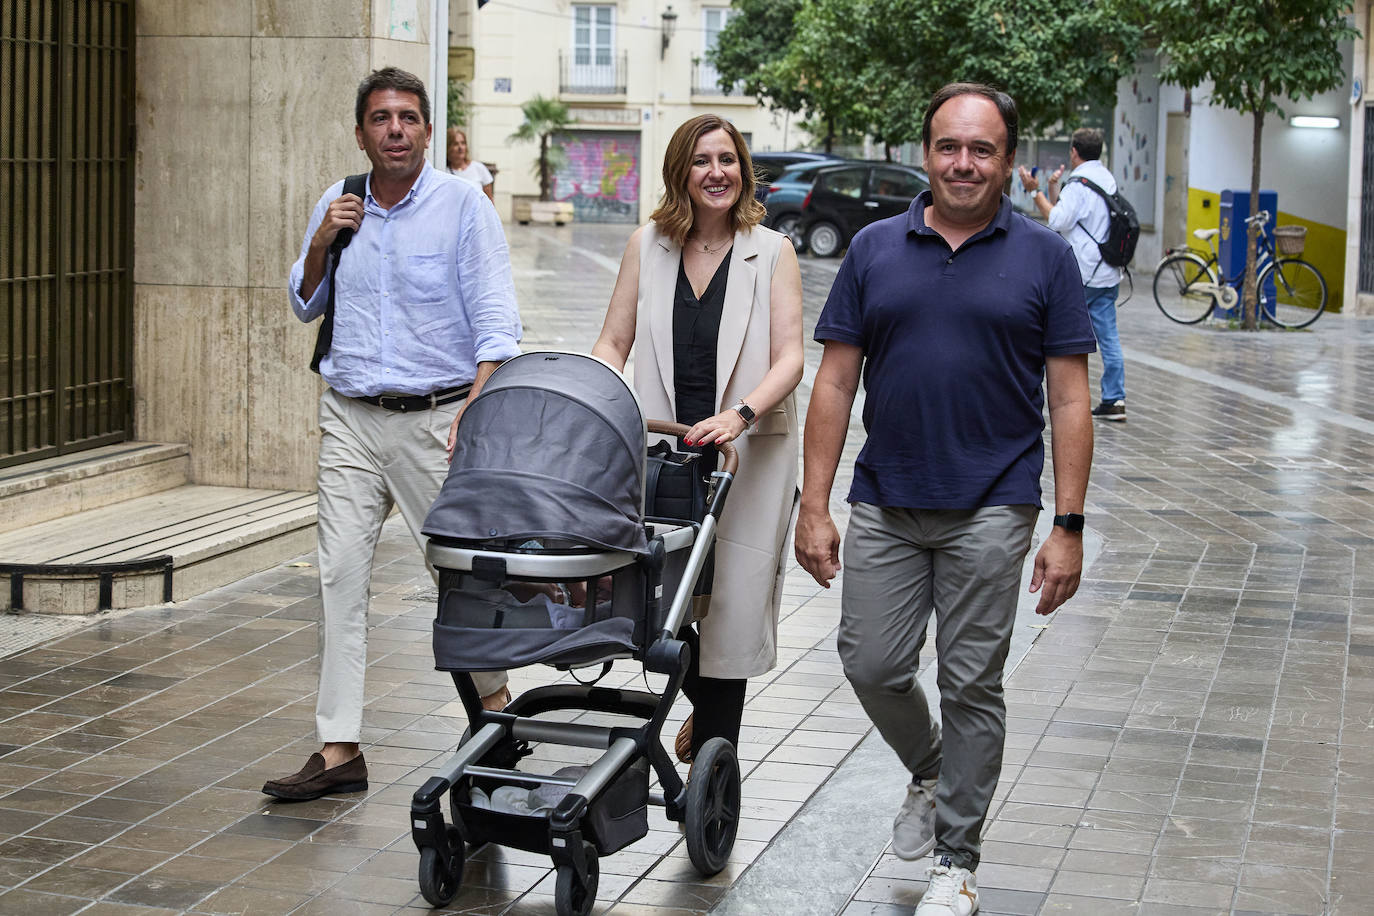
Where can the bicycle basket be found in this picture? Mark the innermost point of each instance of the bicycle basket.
(1290, 239)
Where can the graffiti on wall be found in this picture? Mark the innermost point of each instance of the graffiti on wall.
(601, 177)
(1135, 156)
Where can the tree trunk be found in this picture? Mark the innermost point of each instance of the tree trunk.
(543, 167)
(1250, 289)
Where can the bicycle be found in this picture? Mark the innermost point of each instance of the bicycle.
(1292, 293)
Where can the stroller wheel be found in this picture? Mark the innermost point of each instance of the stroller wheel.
(439, 882)
(713, 802)
(571, 896)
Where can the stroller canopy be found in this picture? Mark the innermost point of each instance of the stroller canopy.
(553, 447)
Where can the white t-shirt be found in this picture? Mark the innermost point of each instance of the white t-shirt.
(474, 173)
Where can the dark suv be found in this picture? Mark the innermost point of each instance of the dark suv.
(768, 166)
(785, 197)
(846, 198)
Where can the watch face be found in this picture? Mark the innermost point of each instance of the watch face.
(745, 411)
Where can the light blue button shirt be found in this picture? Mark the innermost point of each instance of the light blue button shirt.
(1079, 204)
(422, 294)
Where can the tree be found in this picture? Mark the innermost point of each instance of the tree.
(456, 109)
(544, 120)
(1254, 52)
(870, 66)
(757, 51)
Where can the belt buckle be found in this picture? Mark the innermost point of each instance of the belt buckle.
(397, 402)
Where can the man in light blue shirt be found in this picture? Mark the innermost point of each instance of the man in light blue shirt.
(1080, 215)
(424, 311)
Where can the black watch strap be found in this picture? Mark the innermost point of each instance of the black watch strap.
(1070, 521)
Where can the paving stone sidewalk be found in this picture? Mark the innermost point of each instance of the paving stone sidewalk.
(1192, 734)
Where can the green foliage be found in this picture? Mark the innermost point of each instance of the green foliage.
(1254, 53)
(456, 110)
(865, 66)
(544, 120)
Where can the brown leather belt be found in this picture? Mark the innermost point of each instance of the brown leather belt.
(408, 402)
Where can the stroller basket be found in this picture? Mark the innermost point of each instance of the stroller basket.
(614, 819)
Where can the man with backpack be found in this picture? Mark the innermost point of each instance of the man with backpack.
(409, 269)
(1097, 223)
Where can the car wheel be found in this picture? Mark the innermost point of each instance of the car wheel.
(825, 240)
(790, 226)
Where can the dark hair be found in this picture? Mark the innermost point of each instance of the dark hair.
(1006, 107)
(389, 78)
(674, 213)
(1088, 142)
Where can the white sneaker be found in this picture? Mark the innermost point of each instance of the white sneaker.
(953, 891)
(913, 830)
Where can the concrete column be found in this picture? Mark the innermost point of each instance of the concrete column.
(244, 117)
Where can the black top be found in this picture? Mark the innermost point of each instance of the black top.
(696, 326)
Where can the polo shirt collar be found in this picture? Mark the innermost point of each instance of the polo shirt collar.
(916, 217)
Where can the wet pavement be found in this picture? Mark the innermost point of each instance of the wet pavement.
(1192, 734)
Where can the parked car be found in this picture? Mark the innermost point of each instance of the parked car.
(785, 196)
(845, 198)
(767, 166)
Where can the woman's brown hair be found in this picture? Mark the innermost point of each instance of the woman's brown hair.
(674, 213)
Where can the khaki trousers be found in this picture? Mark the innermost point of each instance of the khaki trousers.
(371, 459)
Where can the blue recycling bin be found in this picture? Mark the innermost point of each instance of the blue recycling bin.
(1235, 209)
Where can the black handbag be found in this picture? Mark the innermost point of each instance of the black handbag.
(676, 488)
(675, 484)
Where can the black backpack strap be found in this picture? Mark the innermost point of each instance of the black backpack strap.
(1106, 199)
(356, 185)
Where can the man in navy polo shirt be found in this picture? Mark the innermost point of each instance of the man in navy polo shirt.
(953, 313)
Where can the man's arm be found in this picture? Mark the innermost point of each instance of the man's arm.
(1059, 563)
(827, 424)
(484, 371)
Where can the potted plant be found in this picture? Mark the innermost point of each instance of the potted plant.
(544, 120)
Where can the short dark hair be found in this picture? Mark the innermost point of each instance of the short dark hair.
(1006, 107)
(1087, 141)
(389, 78)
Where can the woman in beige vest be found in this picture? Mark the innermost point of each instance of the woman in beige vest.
(714, 300)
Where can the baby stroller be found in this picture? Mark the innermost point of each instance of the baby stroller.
(547, 485)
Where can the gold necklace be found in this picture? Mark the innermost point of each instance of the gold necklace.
(709, 250)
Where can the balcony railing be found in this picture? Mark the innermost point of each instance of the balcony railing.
(706, 80)
(592, 78)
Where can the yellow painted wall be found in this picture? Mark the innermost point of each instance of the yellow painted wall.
(1325, 244)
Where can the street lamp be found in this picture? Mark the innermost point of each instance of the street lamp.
(669, 27)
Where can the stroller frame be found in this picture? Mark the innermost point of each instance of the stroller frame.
(583, 825)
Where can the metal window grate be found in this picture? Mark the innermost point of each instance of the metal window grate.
(66, 252)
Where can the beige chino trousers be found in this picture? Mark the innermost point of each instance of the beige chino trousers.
(371, 459)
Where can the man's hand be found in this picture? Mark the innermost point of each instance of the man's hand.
(1028, 181)
(453, 428)
(817, 545)
(1058, 567)
(345, 212)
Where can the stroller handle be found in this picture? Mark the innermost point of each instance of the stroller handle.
(727, 451)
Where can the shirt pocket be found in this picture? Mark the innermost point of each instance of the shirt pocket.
(426, 277)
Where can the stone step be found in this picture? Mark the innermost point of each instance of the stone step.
(68, 484)
(170, 545)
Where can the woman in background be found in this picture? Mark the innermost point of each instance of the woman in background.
(466, 169)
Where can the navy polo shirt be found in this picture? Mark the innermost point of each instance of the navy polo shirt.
(954, 349)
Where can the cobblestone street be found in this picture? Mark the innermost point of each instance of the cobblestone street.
(1192, 734)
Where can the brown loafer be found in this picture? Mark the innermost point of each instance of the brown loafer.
(314, 781)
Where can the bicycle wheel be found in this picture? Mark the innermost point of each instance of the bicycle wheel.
(1182, 288)
(1299, 293)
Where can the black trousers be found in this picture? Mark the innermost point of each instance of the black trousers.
(717, 703)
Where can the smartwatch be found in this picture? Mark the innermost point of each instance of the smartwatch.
(1070, 521)
(746, 413)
